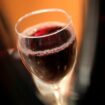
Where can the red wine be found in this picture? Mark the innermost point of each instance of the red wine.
(49, 56)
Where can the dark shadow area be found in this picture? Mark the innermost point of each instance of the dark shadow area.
(16, 85)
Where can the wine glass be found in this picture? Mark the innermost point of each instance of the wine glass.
(47, 47)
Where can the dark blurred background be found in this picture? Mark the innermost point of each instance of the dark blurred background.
(16, 85)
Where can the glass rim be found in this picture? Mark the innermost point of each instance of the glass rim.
(41, 11)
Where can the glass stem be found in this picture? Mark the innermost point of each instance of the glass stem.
(58, 96)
